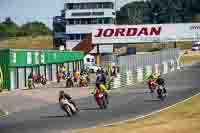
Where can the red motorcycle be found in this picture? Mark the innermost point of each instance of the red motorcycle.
(101, 99)
(39, 79)
(152, 85)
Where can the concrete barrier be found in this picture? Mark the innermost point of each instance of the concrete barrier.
(178, 64)
(172, 65)
(148, 70)
(140, 74)
(165, 68)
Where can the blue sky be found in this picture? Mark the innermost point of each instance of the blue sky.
(23, 11)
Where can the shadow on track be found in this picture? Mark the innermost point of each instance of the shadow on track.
(57, 116)
(90, 109)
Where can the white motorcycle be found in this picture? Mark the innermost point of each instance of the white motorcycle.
(68, 107)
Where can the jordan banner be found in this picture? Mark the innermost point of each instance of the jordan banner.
(118, 34)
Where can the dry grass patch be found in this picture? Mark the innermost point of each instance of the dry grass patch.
(28, 42)
(2, 113)
(186, 60)
(184, 118)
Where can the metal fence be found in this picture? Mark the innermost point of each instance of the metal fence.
(142, 74)
(133, 62)
(137, 68)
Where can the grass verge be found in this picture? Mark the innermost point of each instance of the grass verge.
(1, 113)
(187, 60)
(28, 42)
(183, 118)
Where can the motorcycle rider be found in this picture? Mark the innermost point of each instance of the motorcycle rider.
(102, 88)
(152, 82)
(63, 95)
(103, 77)
(152, 85)
(161, 83)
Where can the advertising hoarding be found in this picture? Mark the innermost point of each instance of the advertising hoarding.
(146, 33)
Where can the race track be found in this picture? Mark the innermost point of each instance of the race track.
(125, 103)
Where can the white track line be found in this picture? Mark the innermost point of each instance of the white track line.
(155, 112)
(140, 117)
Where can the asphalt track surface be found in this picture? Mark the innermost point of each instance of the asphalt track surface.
(125, 103)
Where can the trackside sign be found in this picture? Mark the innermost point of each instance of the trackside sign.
(146, 33)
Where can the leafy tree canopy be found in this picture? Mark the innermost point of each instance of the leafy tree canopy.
(10, 29)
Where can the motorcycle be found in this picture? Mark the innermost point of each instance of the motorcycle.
(101, 99)
(152, 85)
(68, 107)
(39, 79)
(69, 82)
(161, 92)
(83, 81)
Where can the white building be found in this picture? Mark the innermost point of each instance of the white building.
(82, 15)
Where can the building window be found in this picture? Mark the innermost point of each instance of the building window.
(83, 5)
(90, 21)
(82, 36)
(75, 36)
(77, 21)
(91, 6)
(69, 6)
(108, 21)
(84, 21)
(76, 6)
(100, 21)
(94, 21)
(81, 14)
(71, 21)
(99, 5)
(108, 5)
(71, 37)
(98, 13)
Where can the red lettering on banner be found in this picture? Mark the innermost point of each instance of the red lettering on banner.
(155, 31)
(143, 31)
(132, 31)
(108, 32)
(99, 33)
(120, 32)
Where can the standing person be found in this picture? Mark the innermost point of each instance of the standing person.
(30, 81)
(75, 76)
(114, 72)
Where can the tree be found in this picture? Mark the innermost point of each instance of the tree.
(159, 11)
(9, 27)
(9, 21)
(132, 13)
(35, 28)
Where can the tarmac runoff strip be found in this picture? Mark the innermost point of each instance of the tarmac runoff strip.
(140, 117)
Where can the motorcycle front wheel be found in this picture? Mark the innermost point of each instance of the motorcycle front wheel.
(68, 110)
